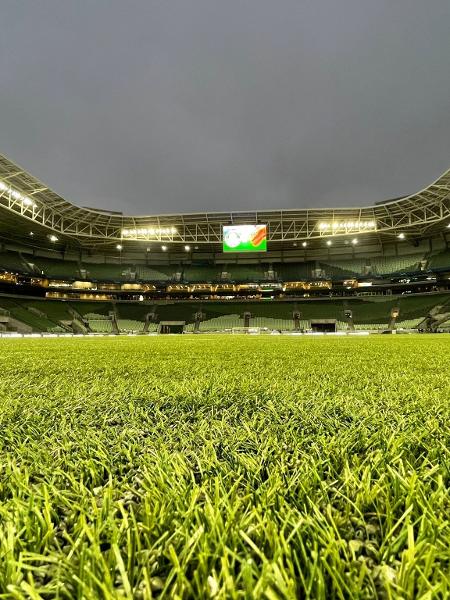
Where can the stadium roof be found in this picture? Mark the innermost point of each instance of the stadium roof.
(29, 207)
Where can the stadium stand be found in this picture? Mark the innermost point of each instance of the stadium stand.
(275, 324)
(244, 273)
(293, 271)
(13, 262)
(440, 261)
(64, 269)
(396, 264)
(221, 323)
(107, 272)
(157, 273)
(101, 325)
(130, 325)
(201, 273)
(76, 269)
(83, 308)
(37, 321)
(369, 313)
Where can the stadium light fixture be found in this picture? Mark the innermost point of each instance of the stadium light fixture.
(329, 242)
(150, 232)
(448, 226)
(31, 233)
(401, 236)
(163, 248)
(25, 200)
(347, 226)
(304, 244)
(119, 247)
(53, 238)
(354, 241)
(187, 248)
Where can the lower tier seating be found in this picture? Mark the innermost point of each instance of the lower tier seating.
(367, 313)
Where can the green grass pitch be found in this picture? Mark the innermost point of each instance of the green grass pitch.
(225, 467)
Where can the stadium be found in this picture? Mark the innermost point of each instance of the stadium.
(71, 270)
(159, 442)
(225, 300)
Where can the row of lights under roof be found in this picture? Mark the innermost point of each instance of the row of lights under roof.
(329, 242)
(53, 238)
(163, 248)
(25, 200)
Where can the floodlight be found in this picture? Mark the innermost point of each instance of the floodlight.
(401, 236)
(119, 246)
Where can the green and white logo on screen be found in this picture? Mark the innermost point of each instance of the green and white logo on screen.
(244, 238)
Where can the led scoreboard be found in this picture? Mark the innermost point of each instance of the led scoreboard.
(244, 238)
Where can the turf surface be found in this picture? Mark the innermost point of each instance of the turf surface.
(225, 467)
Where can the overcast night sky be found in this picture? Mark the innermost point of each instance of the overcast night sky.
(191, 105)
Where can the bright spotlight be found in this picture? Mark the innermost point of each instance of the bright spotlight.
(329, 242)
(304, 244)
(119, 246)
(53, 238)
(401, 236)
(354, 241)
(163, 248)
(187, 248)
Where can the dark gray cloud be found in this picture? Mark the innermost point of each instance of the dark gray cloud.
(157, 106)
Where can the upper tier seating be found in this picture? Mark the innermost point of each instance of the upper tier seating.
(107, 272)
(202, 273)
(396, 264)
(154, 273)
(59, 269)
(245, 273)
(440, 261)
(13, 262)
(293, 271)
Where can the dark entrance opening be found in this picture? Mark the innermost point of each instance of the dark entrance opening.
(324, 325)
(171, 327)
